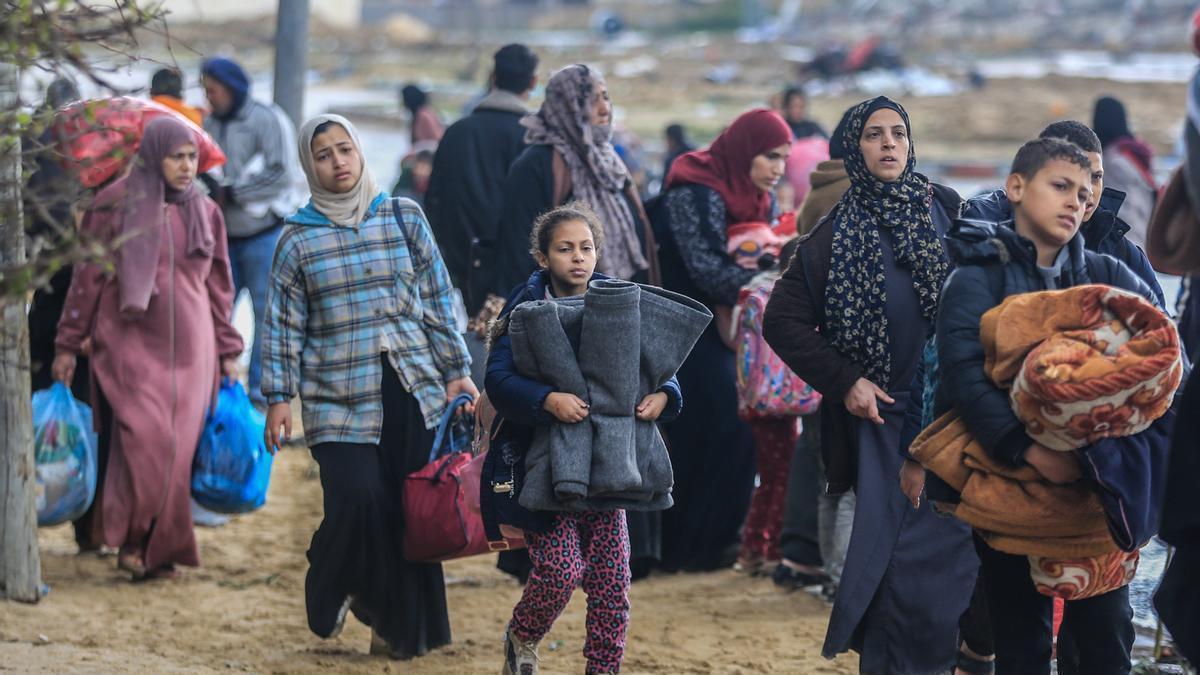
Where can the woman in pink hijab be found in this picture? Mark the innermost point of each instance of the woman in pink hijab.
(158, 325)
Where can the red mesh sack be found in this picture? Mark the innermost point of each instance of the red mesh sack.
(101, 136)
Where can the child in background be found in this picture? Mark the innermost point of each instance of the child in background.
(589, 548)
(772, 399)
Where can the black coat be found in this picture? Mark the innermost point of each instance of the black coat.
(472, 161)
(1178, 598)
(1128, 473)
(792, 327)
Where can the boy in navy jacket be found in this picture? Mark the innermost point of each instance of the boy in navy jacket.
(1041, 248)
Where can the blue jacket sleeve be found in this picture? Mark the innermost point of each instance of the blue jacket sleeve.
(515, 397)
(984, 407)
(674, 400)
(1131, 472)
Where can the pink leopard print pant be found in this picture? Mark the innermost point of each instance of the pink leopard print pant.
(774, 442)
(582, 549)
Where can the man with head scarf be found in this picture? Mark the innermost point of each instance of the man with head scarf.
(257, 188)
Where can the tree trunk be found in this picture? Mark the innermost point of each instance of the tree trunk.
(20, 564)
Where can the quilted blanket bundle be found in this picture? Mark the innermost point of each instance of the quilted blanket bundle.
(1082, 364)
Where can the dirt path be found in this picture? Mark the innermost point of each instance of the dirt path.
(244, 611)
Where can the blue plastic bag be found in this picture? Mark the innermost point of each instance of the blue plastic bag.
(232, 468)
(64, 445)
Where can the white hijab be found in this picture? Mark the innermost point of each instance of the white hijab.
(348, 208)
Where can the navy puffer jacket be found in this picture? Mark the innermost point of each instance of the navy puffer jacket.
(994, 262)
(1104, 232)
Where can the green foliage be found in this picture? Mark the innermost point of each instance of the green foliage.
(50, 36)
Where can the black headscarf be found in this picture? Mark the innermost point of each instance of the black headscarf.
(414, 97)
(855, 296)
(1109, 121)
(837, 141)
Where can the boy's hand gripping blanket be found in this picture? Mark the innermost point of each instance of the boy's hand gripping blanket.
(1081, 365)
(610, 347)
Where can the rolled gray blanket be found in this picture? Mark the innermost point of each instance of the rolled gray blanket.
(671, 325)
(558, 464)
(609, 357)
(611, 347)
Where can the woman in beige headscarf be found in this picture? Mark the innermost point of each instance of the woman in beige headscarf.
(360, 324)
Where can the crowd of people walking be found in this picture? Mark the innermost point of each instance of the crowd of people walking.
(525, 226)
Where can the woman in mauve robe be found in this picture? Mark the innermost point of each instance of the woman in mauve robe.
(159, 342)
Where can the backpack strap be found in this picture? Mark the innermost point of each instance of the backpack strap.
(405, 232)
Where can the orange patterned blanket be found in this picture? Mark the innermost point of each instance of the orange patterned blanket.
(1081, 364)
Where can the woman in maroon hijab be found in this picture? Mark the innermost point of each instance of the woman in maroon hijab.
(160, 336)
(712, 451)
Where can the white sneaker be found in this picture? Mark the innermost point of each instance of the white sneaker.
(520, 658)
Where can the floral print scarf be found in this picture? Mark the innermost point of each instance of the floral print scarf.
(855, 296)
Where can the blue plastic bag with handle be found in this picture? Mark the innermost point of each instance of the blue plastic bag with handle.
(232, 468)
(64, 445)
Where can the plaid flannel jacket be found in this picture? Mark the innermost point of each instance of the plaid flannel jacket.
(341, 295)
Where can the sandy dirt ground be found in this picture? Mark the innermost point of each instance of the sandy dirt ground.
(243, 611)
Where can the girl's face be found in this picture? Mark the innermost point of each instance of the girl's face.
(601, 112)
(884, 144)
(570, 258)
(766, 169)
(179, 166)
(336, 160)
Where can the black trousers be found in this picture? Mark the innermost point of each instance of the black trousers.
(1100, 628)
(357, 551)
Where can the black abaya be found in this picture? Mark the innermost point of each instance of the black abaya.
(712, 454)
(357, 551)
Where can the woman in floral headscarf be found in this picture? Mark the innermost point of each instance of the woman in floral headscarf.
(851, 316)
(570, 158)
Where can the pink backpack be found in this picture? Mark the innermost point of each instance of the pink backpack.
(766, 387)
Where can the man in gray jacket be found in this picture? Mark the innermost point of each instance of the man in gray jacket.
(257, 188)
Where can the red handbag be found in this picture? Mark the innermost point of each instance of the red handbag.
(442, 520)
